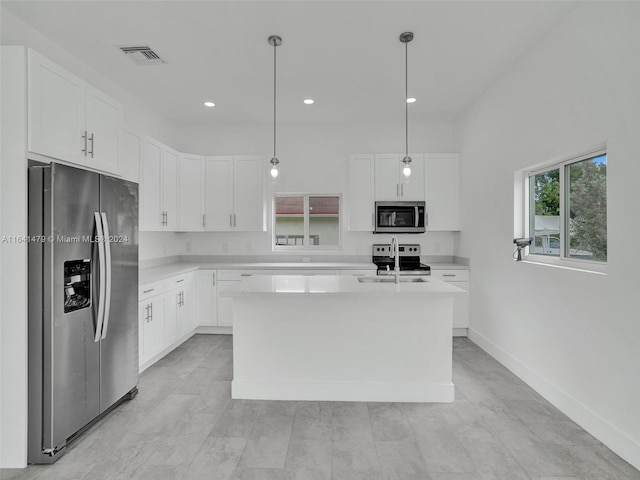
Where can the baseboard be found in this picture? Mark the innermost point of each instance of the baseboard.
(214, 330)
(460, 332)
(615, 439)
(343, 391)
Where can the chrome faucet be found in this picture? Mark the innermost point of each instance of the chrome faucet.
(394, 252)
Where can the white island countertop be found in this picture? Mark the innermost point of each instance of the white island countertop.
(337, 286)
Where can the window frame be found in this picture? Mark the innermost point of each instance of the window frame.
(305, 247)
(562, 260)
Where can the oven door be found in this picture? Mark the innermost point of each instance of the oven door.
(399, 217)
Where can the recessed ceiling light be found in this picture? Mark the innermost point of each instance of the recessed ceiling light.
(209, 104)
(308, 101)
(411, 100)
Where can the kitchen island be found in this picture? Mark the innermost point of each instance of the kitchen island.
(342, 338)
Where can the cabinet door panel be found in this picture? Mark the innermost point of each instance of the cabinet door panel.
(171, 308)
(207, 294)
(170, 188)
(153, 329)
(442, 180)
(131, 155)
(191, 193)
(361, 193)
(413, 187)
(56, 110)
(386, 177)
(219, 193)
(104, 122)
(150, 185)
(248, 198)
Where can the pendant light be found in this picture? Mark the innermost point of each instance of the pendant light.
(405, 38)
(275, 41)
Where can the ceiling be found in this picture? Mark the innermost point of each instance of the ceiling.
(346, 55)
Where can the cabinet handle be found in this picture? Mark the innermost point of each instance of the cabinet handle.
(166, 218)
(84, 150)
(230, 220)
(214, 278)
(146, 313)
(245, 274)
(181, 280)
(234, 219)
(151, 311)
(148, 290)
(92, 144)
(448, 275)
(203, 221)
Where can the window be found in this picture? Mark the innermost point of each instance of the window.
(306, 221)
(567, 205)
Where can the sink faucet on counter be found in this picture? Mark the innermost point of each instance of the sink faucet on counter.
(395, 254)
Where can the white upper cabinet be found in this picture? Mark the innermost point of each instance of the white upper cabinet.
(70, 120)
(361, 193)
(219, 193)
(170, 188)
(248, 198)
(191, 193)
(234, 193)
(104, 130)
(442, 178)
(158, 187)
(131, 155)
(391, 184)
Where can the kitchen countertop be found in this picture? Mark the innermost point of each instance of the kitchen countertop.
(155, 274)
(336, 286)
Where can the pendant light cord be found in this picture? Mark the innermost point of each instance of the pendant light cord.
(406, 96)
(275, 46)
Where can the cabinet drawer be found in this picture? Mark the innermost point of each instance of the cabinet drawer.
(178, 281)
(451, 275)
(150, 289)
(234, 275)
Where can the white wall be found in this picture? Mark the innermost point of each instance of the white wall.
(313, 159)
(13, 277)
(573, 336)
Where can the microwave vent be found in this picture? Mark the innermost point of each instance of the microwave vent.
(142, 55)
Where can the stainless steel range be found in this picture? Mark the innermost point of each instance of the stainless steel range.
(409, 259)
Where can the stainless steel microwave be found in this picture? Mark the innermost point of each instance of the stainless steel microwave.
(400, 217)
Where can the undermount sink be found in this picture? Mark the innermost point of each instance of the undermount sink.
(390, 279)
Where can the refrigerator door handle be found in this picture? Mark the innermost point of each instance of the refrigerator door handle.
(107, 257)
(102, 279)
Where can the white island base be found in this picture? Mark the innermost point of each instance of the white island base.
(387, 343)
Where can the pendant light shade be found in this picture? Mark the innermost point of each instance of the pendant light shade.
(275, 41)
(405, 38)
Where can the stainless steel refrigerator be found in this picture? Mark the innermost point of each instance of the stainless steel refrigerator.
(83, 296)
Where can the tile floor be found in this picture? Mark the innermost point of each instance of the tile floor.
(183, 425)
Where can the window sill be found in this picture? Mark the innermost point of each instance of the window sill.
(574, 265)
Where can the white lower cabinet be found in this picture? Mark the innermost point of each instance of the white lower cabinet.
(151, 327)
(207, 291)
(459, 278)
(166, 313)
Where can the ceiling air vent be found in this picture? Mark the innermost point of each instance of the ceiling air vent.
(142, 55)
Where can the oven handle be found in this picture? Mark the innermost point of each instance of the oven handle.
(417, 217)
